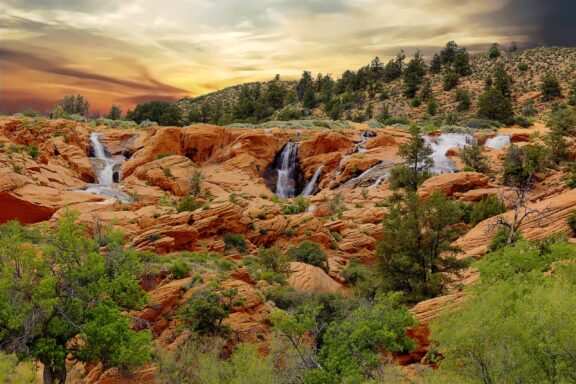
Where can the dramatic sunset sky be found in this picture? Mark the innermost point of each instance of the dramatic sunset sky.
(130, 51)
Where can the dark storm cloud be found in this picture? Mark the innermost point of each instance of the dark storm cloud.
(552, 22)
(52, 65)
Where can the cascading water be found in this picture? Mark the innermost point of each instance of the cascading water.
(286, 168)
(498, 142)
(312, 184)
(441, 144)
(107, 171)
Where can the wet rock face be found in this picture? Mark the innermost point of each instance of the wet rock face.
(284, 175)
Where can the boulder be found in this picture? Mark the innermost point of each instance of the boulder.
(450, 183)
(305, 278)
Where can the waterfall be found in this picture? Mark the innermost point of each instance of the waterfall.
(105, 168)
(498, 142)
(286, 167)
(312, 184)
(107, 171)
(441, 144)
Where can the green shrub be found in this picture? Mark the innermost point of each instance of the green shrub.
(485, 209)
(235, 241)
(522, 67)
(300, 204)
(450, 81)
(310, 253)
(188, 203)
(572, 222)
(33, 152)
(179, 270)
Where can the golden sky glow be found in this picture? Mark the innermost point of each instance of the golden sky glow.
(130, 51)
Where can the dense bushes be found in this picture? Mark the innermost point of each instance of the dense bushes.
(489, 207)
(310, 253)
(161, 112)
(517, 325)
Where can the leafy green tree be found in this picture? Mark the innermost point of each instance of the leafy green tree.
(418, 162)
(206, 310)
(74, 105)
(74, 289)
(415, 254)
(352, 348)
(550, 87)
(310, 253)
(485, 209)
(159, 111)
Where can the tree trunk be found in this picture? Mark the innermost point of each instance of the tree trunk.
(51, 375)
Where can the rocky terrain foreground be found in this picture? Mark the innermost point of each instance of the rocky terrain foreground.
(48, 167)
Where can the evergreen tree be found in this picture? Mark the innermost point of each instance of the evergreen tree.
(550, 87)
(450, 81)
(415, 254)
(462, 63)
(309, 99)
(426, 91)
(494, 51)
(572, 95)
(502, 81)
(448, 54)
(435, 64)
(463, 98)
(413, 75)
(418, 162)
(303, 85)
(494, 105)
(275, 95)
(115, 113)
(432, 107)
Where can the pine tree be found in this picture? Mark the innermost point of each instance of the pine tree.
(415, 254)
(418, 162)
(550, 87)
(435, 64)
